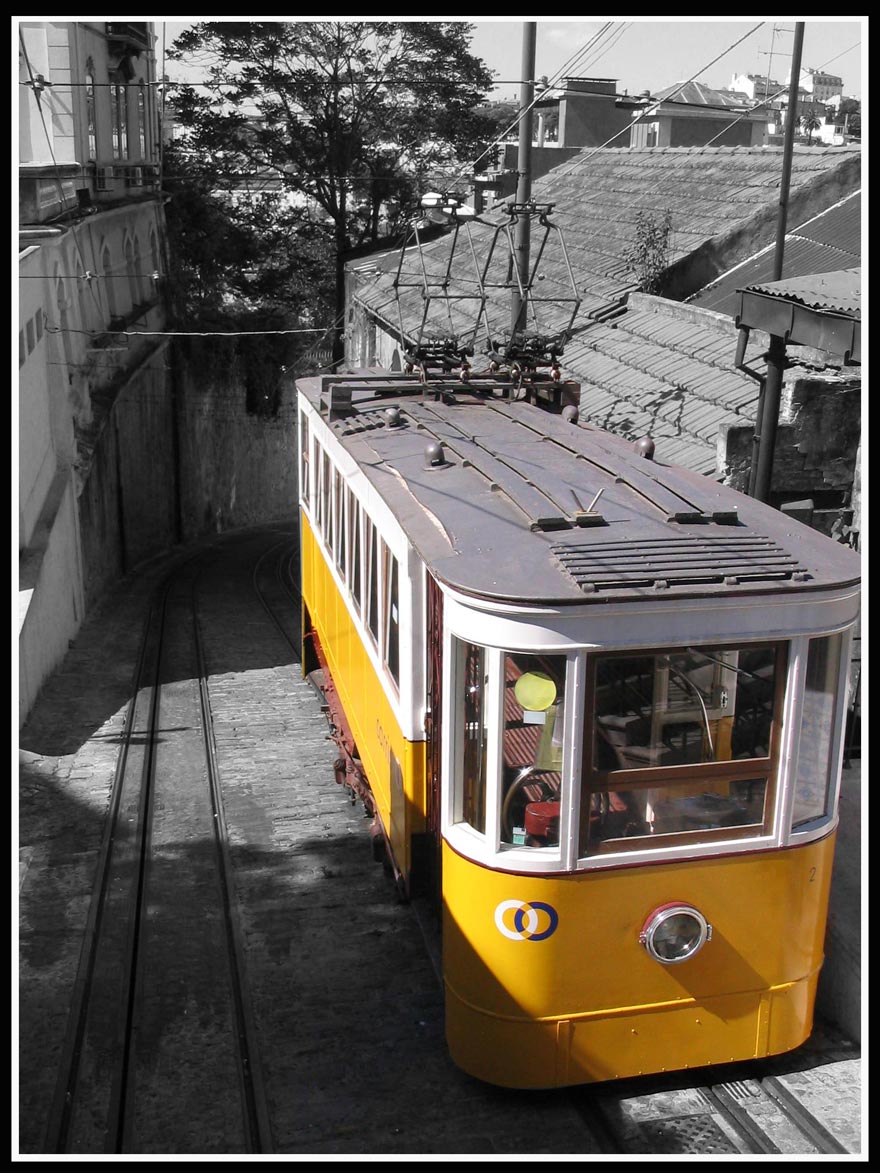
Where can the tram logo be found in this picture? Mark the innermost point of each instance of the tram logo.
(522, 921)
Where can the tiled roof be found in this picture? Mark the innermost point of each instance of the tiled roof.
(826, 243)
(596, 197)
(665, 371)
(659, 368)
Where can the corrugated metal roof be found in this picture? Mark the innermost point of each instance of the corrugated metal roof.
(826, 243)
(838, 292)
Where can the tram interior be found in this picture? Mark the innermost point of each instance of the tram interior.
(663, 725)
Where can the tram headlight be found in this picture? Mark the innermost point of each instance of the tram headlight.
(675, 933)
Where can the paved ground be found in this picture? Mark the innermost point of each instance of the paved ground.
(68, 752)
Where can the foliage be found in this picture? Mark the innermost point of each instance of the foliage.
(342, 122)
(233, 266)
(648, 255)
(850, 114)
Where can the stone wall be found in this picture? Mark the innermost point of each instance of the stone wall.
(817, 452)
(237, 468)
(127, 496)
(179, 456)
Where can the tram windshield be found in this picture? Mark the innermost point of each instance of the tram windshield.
(572, 757)
(531, 747)
(682, 743)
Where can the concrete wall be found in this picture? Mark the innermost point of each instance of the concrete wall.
(50, 601)
(179, 457)
(236, 468)
(127, 504)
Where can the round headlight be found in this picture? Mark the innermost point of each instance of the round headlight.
(674, 933)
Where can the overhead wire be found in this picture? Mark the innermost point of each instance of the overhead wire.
(577, 59)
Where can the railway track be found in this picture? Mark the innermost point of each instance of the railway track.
(749, 1113)
(161, 992)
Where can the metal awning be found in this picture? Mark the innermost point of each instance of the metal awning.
(822, 311)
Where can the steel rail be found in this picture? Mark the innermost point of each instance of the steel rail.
(250, 1069)
(61, 1112)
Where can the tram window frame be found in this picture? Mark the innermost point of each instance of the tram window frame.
(305, 458)
(472, 716)
(325, 514)
(371, 580)
(390, 625)
(355, 579)
(532, 792)
(339, 527)
(634, 784)
(821, 720)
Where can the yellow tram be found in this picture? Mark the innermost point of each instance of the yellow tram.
(597, 706)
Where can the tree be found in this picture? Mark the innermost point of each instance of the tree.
(648, 255)
(809, 124)
(849, 114)
(345, 118)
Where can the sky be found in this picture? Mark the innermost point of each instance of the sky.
(653, 54)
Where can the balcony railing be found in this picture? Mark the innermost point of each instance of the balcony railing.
(135, 35)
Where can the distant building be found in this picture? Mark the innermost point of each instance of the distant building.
(581, 112)
(690, 114)
(757, 87)
(91, 227)
(820, 86)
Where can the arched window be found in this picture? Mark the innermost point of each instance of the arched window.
(91, 128)
(142, 121)
(119, 114)
(155, 266)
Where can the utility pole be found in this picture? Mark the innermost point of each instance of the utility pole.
(522, 228)
(768, 420)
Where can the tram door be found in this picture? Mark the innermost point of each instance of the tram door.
(427, 879)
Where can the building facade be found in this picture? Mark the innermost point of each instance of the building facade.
(694, 115)
(91, 240)
(819, 85)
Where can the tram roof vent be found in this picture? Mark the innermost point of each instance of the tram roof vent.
(712, 560)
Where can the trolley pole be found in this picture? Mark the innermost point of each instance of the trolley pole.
(768, 422)
(524, 178)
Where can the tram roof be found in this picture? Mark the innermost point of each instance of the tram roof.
(527, 507)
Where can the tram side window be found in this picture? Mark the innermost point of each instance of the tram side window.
(304, 457)
(532, 749)
(325, 516)
(813, 790)
(391, 610)
(354, 520)
(470, 767)
(339, 533)
(681, 745)
(371, 545)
